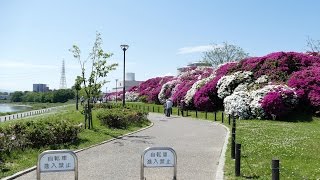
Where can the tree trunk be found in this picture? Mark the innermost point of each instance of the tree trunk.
(77, 101)
(90, 125)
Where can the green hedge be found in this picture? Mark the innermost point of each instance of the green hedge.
(120, 118)
(37, 134)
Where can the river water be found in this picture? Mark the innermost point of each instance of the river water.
(12, 108)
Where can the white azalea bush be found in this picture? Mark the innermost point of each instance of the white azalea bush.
(228, 83)
(132, 96)
(237, 104)
(247, 104)
(167, 87)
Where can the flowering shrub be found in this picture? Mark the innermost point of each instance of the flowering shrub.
(279, 65)
(181, 91)
(228, 83)
(307, 83)
(186, 79)
(195, 87)
(206, 97)
(151, 88)
(248, 104)
(166, 90)
(256, 97)
(131, 96)
(23, 134)
(237, 104)
(279, 102)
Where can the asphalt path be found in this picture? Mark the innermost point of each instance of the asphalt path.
(198, 144)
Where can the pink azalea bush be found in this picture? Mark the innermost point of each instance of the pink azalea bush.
(186, 79)
(151, 88)
(279, 65)
(279, 102)
(307, 84)
(206, 97)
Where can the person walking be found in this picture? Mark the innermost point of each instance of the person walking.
(182, 106)
(169, 105)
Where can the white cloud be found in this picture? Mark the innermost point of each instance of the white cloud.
(195, 49)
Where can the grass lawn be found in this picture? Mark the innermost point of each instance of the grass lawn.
(295, 144)
(19, 160)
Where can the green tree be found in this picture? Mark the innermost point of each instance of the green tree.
(77, 87)
(99, 69)
(224, 53)
(16, 96)
(62, 95)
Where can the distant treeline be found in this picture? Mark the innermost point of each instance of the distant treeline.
(61, 95)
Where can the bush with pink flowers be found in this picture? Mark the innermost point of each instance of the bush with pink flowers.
(279, 102)
(307, 83)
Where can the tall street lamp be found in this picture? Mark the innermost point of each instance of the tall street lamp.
(116, 90)
(124, 47)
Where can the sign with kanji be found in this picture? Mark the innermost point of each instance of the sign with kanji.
(56, 161)
(159, 158)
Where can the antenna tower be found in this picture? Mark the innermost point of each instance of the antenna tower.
(63, 83)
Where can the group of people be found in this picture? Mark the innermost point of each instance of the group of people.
(168, 107)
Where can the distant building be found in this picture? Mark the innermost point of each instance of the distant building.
(195, 64)
(130, 82)
(40, 88)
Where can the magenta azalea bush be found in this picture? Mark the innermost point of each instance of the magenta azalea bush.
(279, 65)
(206, 98)
(151, 88)
(307, 84)
(280, 102)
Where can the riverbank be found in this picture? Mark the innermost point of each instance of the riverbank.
(33, 106)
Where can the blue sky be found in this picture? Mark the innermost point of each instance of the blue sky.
(163, 35)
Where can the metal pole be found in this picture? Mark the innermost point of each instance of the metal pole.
(238, 159)
(275, 169)
(222, 116)
(233, 143)
(206, 114)
(124, 81)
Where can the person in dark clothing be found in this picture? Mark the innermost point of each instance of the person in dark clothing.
(182, 107)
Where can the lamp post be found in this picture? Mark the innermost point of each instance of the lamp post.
(116, 90)
(124, 47)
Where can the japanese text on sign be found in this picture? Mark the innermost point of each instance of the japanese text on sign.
(57, 162)
(159, 158)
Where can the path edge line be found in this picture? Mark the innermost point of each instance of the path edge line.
(222, 159)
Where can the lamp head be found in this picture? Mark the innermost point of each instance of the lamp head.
(124, 47)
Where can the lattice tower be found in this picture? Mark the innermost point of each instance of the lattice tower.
(63, 83)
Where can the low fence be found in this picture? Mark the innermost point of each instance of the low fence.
(26, 114)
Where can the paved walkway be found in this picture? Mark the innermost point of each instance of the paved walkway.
(198, 145)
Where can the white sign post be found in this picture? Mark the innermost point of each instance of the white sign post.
(57, 161)
(158, 157)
